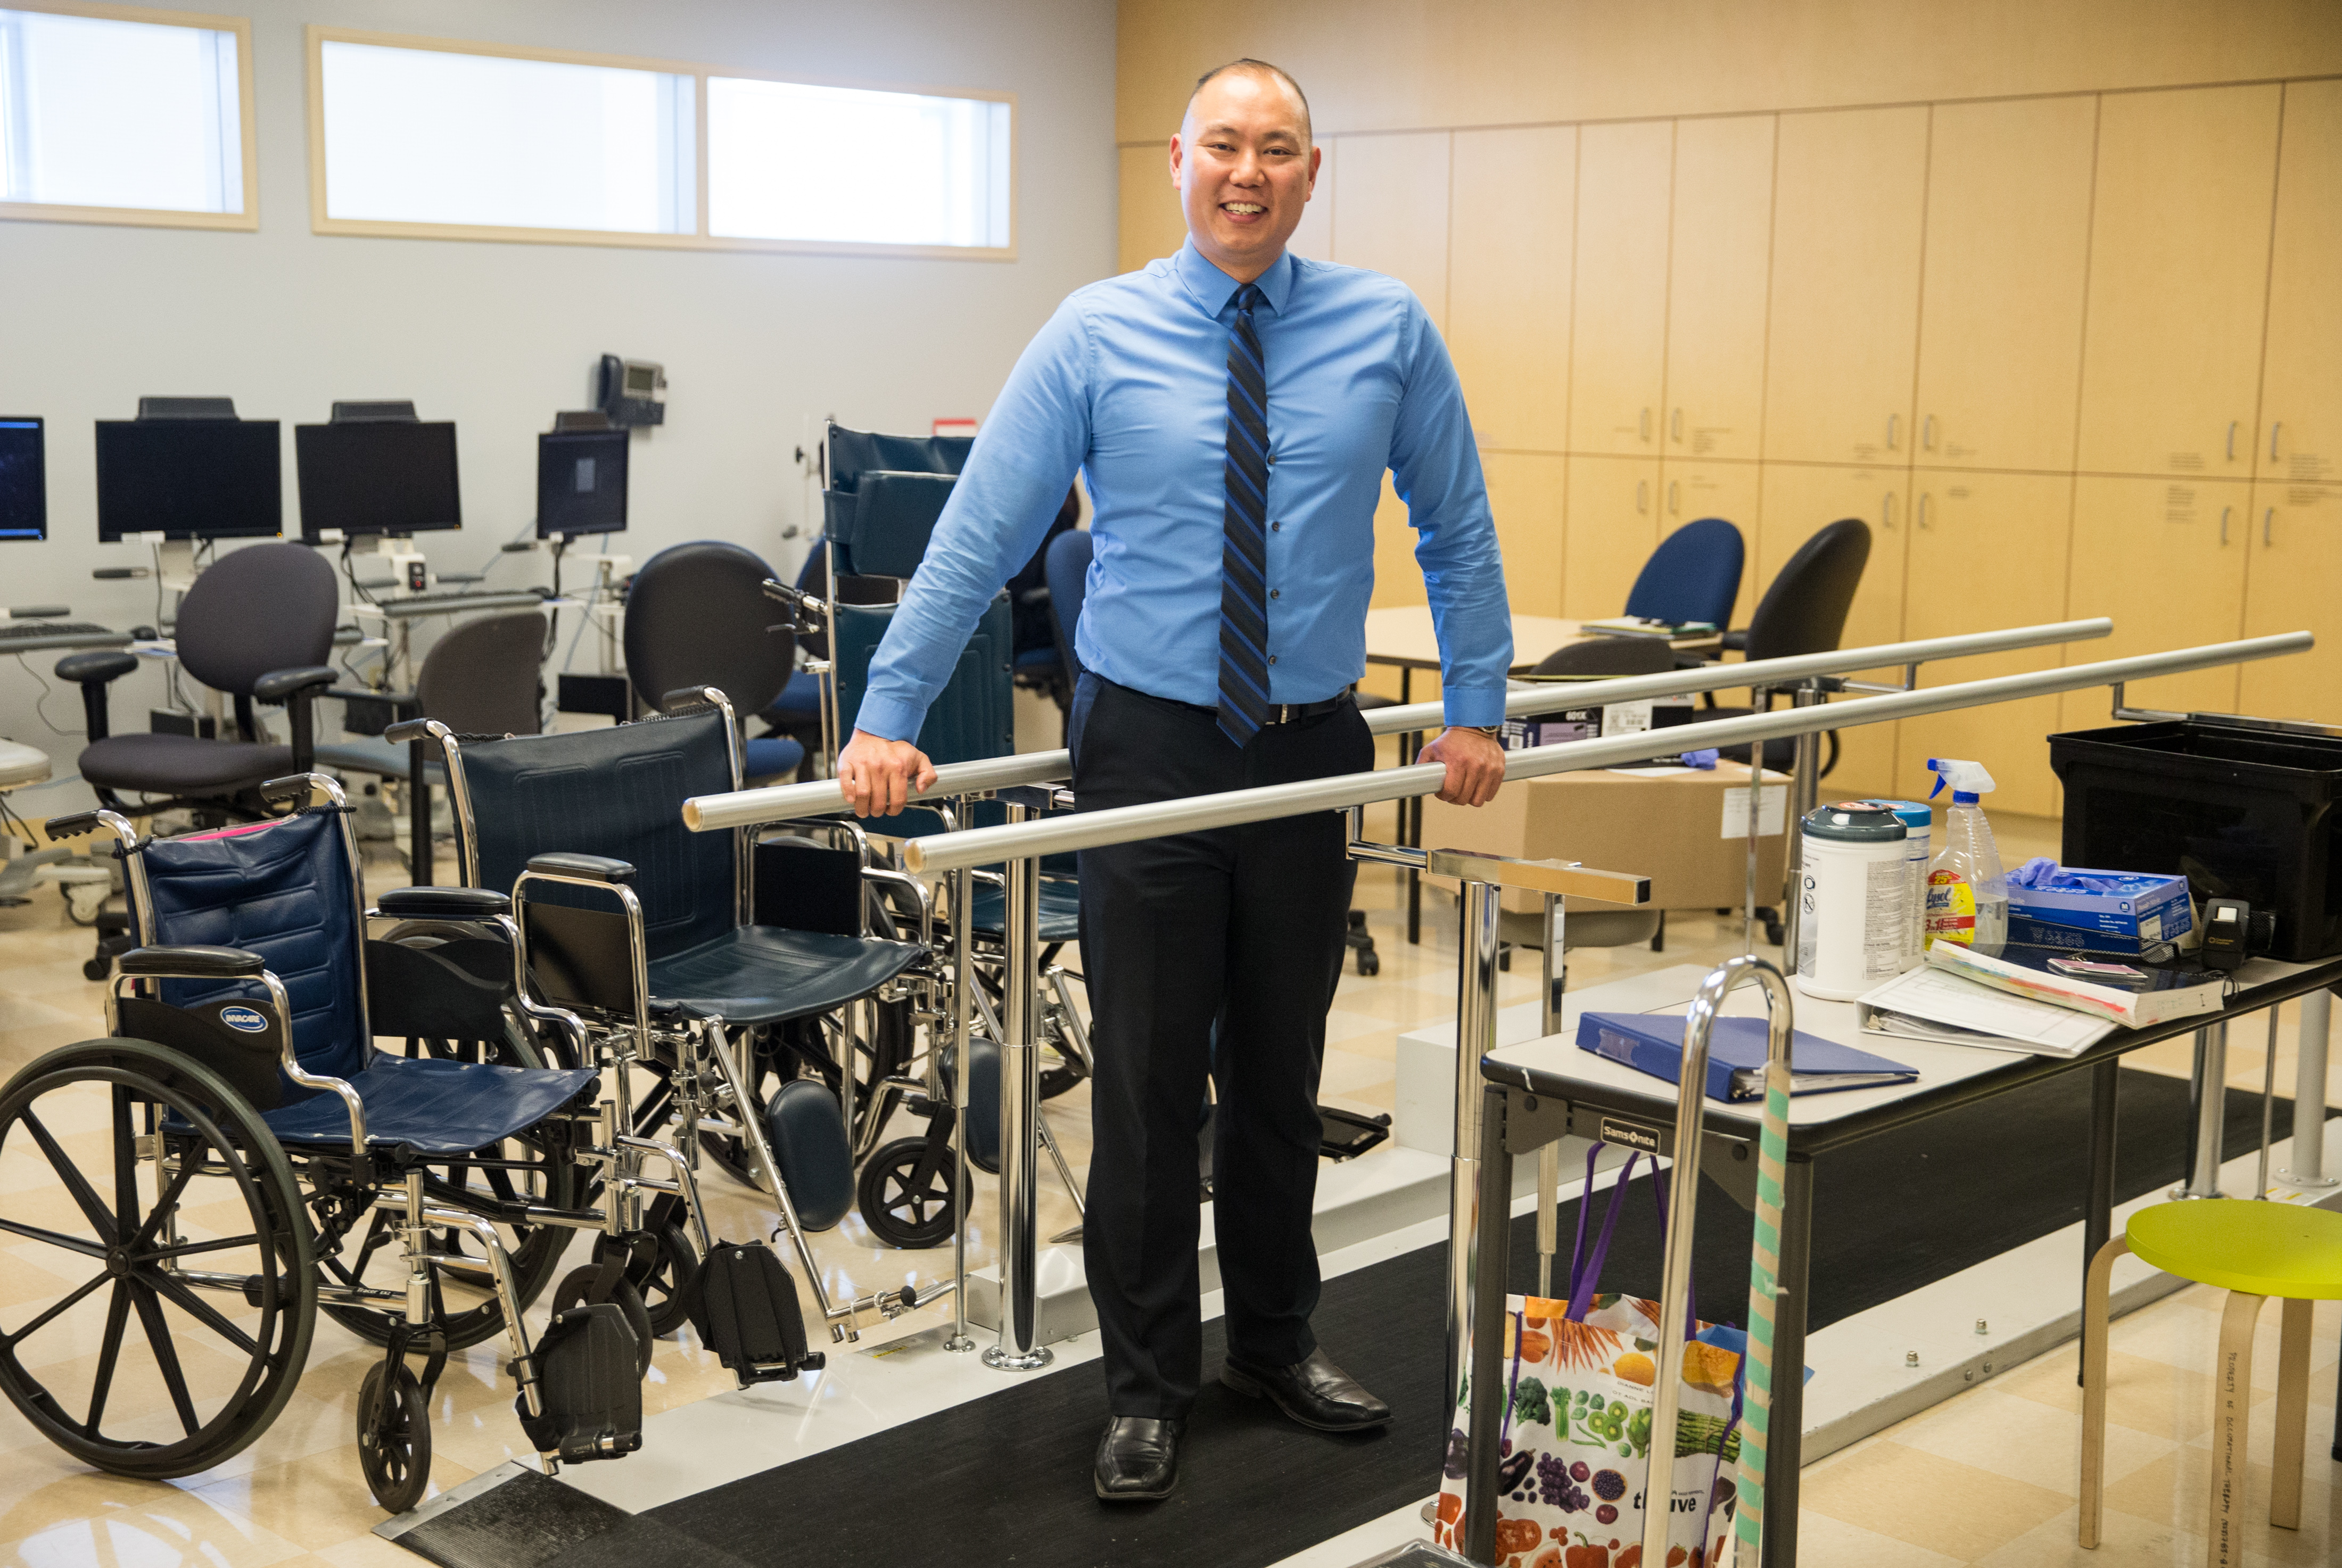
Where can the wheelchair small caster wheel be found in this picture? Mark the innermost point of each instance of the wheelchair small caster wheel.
(905, 1196)
(393, 1436)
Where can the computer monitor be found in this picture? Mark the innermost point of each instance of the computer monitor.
(24, 481)
(384, 477)
(188, 479)
(581, 483)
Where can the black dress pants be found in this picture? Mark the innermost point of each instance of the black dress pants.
(1241, 927)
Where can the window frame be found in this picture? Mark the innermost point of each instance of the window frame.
(319, 35)
(246, 220)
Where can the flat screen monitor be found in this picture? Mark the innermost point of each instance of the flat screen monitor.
(24, 481)
(188, 479)
(387, 477)
(581, 483)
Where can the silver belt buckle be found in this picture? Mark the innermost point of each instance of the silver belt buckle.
(1284, 712)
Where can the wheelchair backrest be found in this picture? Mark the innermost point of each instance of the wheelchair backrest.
(619, 792)
(885, 495)
(973, 717)
(287, 890)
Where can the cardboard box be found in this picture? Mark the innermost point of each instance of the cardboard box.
(2143, 908)
(1669, 829)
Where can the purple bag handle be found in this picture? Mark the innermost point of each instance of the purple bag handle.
(1582, 1280)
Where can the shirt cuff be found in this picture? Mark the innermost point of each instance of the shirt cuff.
(888, 718)
(1477, 706)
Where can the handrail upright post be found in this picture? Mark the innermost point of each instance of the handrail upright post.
(2309, 1167)
(1804, 793)
(1553, 982)
(1475, 1036)
(1019, 1348)
(963, 887)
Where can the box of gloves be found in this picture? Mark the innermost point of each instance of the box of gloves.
(2053, 906)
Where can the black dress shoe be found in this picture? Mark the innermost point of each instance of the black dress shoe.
(1313, 1391)
(1137, 1459)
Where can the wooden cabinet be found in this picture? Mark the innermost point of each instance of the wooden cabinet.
(1619, 319)
(1315, 238)
(1844, 324)
(2179, 252)
(2164, 558)
(1526, 491)
(1691, 488)
(1611, 529)
(2000, 317)
(1988, 551)
(1798, 500)
(2293, 583)
(1509, 222)
(2300, 436)
(1720, 249)
(1389, 186)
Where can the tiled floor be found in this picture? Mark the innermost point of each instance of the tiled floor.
(1984, 1478)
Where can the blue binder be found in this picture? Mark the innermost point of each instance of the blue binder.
(1653, 1043)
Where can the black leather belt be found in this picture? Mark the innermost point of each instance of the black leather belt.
(1286, 713)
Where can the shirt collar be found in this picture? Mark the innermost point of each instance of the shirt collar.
(1213, 289)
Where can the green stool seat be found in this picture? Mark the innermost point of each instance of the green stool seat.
(2253, 1251)
(2262, 1249)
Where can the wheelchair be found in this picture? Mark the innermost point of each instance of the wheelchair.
(753, 996)
(239, 1153)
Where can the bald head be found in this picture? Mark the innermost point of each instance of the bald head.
(1261, 70)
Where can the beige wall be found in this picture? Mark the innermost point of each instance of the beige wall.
(2048, 295)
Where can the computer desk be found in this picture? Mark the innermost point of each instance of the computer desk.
(1403, 637)
(1543, 1090)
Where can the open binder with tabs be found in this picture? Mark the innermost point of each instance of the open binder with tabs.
(1653, 1043)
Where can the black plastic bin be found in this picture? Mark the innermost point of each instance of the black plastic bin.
(2241, 812)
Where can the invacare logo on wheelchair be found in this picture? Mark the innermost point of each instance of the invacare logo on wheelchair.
(237, 1154)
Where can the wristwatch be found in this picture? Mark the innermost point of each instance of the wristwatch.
(1493, 732)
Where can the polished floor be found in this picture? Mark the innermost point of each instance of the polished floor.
(1985, 1478)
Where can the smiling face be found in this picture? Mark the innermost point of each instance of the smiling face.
(1244, 169)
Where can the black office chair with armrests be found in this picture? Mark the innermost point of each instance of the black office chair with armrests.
(482, 677)
(697, 616)
(1803, 611)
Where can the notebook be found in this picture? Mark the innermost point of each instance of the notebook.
(1653, 1043)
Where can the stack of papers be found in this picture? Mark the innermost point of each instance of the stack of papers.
(1932, 1003)
(2158, 996)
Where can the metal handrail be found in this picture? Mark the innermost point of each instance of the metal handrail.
(1122, 825)
(785, 802)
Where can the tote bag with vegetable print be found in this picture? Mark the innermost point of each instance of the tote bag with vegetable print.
(1575, 1452)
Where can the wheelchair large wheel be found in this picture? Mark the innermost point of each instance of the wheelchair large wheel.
(904, 1204)
(179, 1250)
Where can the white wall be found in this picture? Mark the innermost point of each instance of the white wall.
(496, 336)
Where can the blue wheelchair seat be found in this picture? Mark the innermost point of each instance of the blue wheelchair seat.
(753, 974)
(769, 756)
(1061, 910)
(435, 1106)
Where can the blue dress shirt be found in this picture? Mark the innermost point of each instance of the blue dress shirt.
(1128, 383)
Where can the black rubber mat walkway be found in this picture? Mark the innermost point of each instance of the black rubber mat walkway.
(1004, 1479)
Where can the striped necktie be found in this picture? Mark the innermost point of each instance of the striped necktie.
(1244, 550)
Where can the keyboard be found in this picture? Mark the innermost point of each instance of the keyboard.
(18, 631)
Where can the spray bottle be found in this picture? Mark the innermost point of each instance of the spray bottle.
(1967, 891)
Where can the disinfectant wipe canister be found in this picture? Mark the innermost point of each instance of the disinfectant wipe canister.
(1855, 893)
(1919, 822)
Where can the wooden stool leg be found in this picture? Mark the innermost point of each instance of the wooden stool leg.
(2232, 1407)
(2292, 1414)
(2095, 1287)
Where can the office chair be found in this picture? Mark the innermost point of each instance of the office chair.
(1803, 611)
(483, 677)
(1693, 575)
(696, 615)
(1039, 665)
(1608, 657)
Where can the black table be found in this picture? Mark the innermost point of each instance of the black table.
(1547, 1089)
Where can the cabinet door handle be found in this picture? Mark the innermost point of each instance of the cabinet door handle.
(2232, 441)
(1927, 432)
(2275, 426)
(2224, 522)
(1674, 427)
(1887, 510)
(1642, 496)
(1894, 429)
(1924, 499)
(2267, 517)
(1674, 497)
(1646, 426)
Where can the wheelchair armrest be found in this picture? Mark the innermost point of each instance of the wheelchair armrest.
(593, 867)
(280, 685)
(194, 962)
(1737, 640)
(361, 694)
(465, 904)
(98, 665)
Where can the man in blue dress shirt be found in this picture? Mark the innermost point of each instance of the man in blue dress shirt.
(1233, 408)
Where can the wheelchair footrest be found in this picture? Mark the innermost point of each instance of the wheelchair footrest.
(746, 1313)
(590, 1384)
